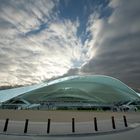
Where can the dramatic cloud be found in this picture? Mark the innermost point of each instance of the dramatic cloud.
(117, 39)
(35, 44)
(38, 42)
(20, 54)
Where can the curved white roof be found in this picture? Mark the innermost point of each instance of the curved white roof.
(92, 88)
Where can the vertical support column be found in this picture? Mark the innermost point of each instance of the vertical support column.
(48, 126)
(113, 122)
(73, 125)
(26, 125)
(125, 121)
(95, 124)
(6, 125)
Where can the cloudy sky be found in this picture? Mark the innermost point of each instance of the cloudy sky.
(42, 39)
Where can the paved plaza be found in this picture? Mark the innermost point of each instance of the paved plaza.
(126, 135)
(62, 127)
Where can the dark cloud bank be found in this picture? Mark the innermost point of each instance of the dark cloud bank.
(118, 39)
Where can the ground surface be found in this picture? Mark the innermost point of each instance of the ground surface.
(61, 124)
(64, 116)
(133, 134)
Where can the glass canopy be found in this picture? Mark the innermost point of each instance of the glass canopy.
(94, 88)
